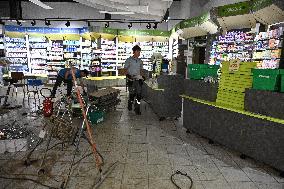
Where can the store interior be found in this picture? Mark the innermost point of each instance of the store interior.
(212, 93)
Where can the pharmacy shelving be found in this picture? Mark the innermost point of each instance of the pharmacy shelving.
(38, 55)
(2, 47)
(71, 52)
(146, 54)
(175, 48)
(55, 57)
(86, 53)
(124, 51)
(233, 45)
(268, 46)
(17, 53)
(108, 55)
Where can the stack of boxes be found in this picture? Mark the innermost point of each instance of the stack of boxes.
(232, 85)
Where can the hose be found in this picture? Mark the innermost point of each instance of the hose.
(183, 174)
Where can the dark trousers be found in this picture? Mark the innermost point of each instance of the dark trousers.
(59, 81)
(135, 90)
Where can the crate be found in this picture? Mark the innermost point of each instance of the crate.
(282, 80)
(266, 79)
(200, 71)
(96, 116)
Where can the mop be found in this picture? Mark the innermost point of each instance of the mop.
(98, 158)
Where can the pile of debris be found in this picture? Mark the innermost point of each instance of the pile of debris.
(105, 99)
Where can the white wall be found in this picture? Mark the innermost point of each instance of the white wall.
(217, 3)
(75, 11)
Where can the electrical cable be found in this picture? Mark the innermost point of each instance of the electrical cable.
(29, 179)
(183, 174)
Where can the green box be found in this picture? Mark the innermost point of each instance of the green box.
(96, 116)
(266, 79)
(282, 80)
(200, 71)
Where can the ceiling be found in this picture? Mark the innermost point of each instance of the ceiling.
(146, 9)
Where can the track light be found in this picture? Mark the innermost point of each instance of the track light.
(47, 23)
(130, 25)
(19, 23)
(67, 24)
(155, 25)
(107, 25)
(148, 26)
(33, 23)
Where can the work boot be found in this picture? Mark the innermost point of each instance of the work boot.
(129, 105)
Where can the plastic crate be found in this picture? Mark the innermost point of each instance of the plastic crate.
(96, 116)
(282, 80)
(200, 71)
(266, 79)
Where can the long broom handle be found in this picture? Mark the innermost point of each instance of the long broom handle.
(89, 130)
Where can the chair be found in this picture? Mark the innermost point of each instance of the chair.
(33, 85)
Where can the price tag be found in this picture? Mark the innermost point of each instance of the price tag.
(42, 133)
(234, 65)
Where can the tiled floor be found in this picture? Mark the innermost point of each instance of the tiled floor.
(147, 151)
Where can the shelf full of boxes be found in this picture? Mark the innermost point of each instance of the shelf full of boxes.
(17, 53)
(124, 51)
(2, 47)
(268, 47)
(55, 57)
(233, 45)
(175, 48)
(38, 54)
(71, 52)
(108, 56)
(86, 53)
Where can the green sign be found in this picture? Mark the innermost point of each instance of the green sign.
(109, 31)
(144, 32)
(260, 4)
(192, 22)
(161, 33)
(126, 32)
(234, 9)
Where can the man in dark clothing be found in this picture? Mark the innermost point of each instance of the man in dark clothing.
(65, 75)
(134, 66)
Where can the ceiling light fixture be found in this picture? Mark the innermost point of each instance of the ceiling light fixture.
(47, 22)
(41, 4)
(130, 25)
(116, 12)
(67, 24)
(33, 23)
(148, 26)
(155, 25)
(19, 23)
(106, 24)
